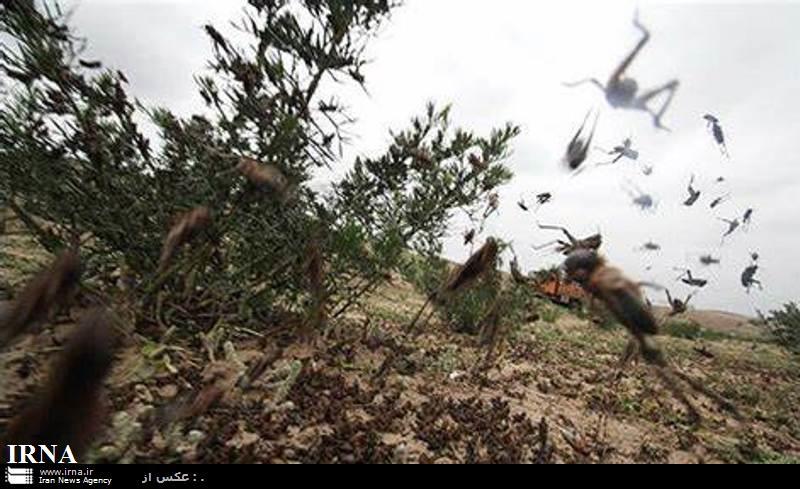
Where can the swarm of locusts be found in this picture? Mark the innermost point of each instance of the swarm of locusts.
(74, 387)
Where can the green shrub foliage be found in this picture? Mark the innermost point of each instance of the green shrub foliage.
(77, 167)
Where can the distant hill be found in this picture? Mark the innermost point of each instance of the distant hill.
(720, 321)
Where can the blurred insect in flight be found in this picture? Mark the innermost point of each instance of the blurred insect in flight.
(625, 301)
(622, 91)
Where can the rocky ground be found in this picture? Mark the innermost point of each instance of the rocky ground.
(366, 392)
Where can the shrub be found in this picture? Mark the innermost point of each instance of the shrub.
(785, 326)
(466, 310)
(549, 313)
(76, 168)
(691, 330)
(683, 329)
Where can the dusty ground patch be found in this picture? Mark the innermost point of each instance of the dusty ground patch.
(366, 392)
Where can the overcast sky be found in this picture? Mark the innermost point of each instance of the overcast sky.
(504, 61)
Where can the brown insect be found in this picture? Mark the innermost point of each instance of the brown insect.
(578, 147)
(747, 218)
(622, 91)
(492, 205)
(622, 296)
(469, 237)
(516, 272)
(678, 306)
(477, 163)
(640, 198)
(624, 150)
(693, 194)
(421, 156)
(748, 278)
(649, 246)
(704, 352)
(543, 198)
(708, 260)
(491, 333)
(218, 379)
(69, 409)
(593, 242)
(733, 225)
(464, 276)
(315, 277)
(713, 125)
(264, 176)
(719, 200)
(187, 227)
(50, 289)
(690, 280)
(624, 299)
(482, 260)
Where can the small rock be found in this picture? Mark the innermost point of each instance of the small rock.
(456, 374)
(400, 454)
(61, 335)
(196, 436)
(269, 406)
(289, 406)
(158, 442)
(143, 394)
(399, 382)
(188, 448)
(544, 386)
(242, 439)
(168, 391)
